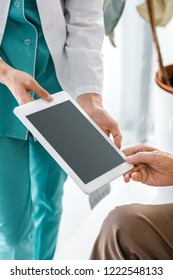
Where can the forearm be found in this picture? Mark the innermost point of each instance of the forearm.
(84, 24)
(85, 34)
(4, 71)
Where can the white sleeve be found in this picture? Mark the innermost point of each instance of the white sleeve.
(85, 34)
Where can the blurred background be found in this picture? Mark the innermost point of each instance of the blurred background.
(128, 95)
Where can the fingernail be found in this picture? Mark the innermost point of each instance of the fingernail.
(49, 98)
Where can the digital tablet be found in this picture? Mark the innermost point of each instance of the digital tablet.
(74, 140)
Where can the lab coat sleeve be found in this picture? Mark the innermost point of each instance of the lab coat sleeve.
(85, 34)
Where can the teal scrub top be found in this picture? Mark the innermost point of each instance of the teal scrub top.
(24, 48)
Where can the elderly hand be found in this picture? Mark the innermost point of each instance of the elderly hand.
(152, 167)
(21, 84)
(92, 104)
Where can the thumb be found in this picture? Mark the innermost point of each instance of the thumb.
(141, 157)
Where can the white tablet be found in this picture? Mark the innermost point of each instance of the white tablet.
(73, 139)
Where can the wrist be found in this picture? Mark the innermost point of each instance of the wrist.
(4, 71)
(89, 99)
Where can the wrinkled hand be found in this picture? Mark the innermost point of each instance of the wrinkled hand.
(21, 84)
(92, 104)
(152, 167)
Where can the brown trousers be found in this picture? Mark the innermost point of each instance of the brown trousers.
(136, 232)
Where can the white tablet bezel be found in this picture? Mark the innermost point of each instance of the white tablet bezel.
(22, 111)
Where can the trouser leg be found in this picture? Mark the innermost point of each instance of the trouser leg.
(136, 232)
(16, 228)
(47, 180)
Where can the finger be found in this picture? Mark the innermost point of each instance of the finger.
(115, 132)
(136, 176)
(25, 99)
(135, 149)
(126, 177)
(118, 140)
(142, 157)
(38, 90)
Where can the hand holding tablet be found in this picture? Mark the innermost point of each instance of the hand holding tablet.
(74, 140)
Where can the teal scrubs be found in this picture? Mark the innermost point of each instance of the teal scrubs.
(24, 48)
(31, 182)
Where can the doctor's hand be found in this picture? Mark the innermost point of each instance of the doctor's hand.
(21, 84)
(92, 104)
(152, 167)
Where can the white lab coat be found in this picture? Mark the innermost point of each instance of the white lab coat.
(74, 33)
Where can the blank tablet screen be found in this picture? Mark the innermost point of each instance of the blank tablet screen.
(76, 140)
